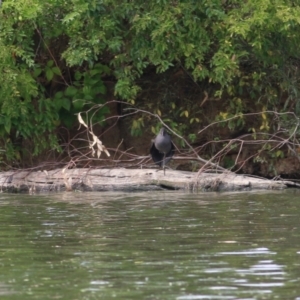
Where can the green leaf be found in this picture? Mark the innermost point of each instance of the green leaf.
(95, 72)
(66, 104)
(50, 63)
(49, 74)
(56, 70)
(58, 95)
(101, 89)
(7, 125)
(71, 91)
(37, 72)
(77, 75)
(78, 104)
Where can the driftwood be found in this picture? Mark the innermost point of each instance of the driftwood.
(131, 180)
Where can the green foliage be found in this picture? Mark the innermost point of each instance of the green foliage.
(85, 94)
(38, 92)
(55, 56)
(137, 127)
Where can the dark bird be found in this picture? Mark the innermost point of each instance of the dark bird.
(162, 148)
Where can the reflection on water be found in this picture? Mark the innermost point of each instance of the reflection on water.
(150, 246)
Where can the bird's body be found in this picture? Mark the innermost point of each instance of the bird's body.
(162, 148)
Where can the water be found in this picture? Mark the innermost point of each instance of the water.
(150, 246)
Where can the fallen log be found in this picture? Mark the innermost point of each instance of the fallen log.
(128, 180)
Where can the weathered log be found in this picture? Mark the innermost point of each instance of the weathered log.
(131, 180)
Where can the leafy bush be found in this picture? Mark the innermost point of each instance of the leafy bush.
(55, 55)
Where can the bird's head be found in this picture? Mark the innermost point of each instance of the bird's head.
(162, 131)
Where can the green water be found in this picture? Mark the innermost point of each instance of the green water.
(150, 246)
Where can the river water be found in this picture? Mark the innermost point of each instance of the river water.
(156, 245)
